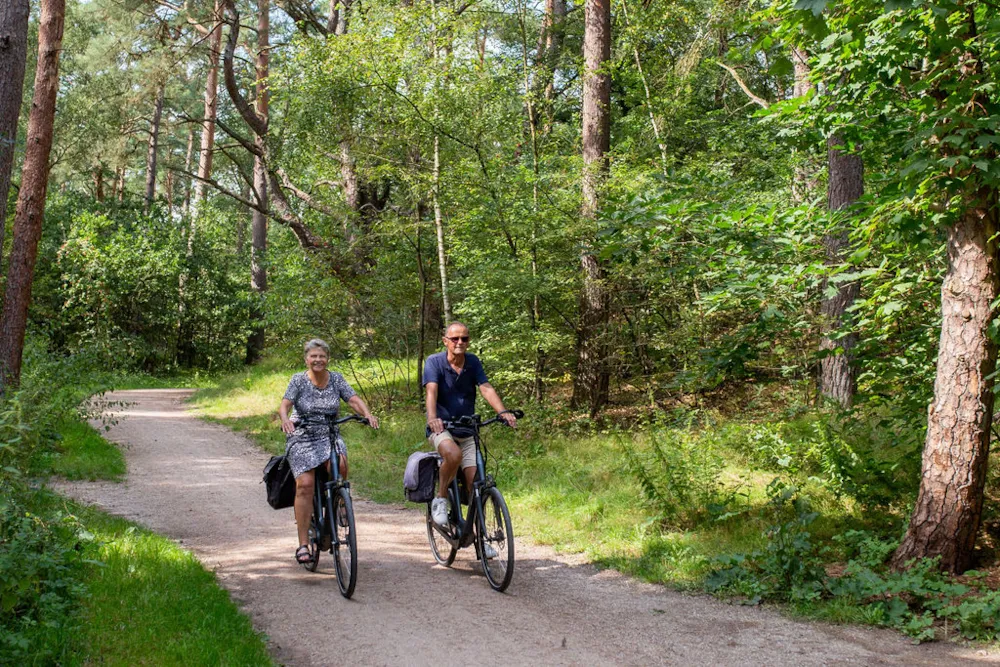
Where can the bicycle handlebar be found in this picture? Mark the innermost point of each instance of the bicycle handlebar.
(351, 418)
(476, 420)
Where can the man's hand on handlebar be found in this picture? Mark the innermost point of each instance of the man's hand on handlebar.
(435, 425)
(509, 417)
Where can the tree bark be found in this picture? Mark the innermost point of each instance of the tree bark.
(13, 54)
(837, 377)
(188, 158)
(804, 177)
(258, 231)
(31, 198)
(550, 41)
(99, 182)
(590, 385)
(950, 501)
(439, 228)
(211, 108)
(153, 147)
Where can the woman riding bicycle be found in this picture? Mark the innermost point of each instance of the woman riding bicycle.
(314, 399)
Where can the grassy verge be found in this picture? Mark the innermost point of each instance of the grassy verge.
(84, 455)
(151, 602)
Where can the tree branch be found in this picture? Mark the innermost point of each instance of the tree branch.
(757, 100)
(256, 123)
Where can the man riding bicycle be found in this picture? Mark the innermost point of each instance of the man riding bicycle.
(450, 379)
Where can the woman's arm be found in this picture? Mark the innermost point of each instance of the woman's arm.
(361, 408)
(286, 424)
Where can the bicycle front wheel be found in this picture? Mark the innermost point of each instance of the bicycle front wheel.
(496, 541)
(315, 536)
(345, 543)
(443, 552)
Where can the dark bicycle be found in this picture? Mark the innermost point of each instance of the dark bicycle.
(487, 524)
(331, 527)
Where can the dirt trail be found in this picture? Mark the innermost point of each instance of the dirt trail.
(198, 484)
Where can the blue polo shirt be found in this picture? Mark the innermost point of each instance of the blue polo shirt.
(456, 391)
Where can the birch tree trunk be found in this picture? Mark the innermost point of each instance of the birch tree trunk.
(590, 384)
(31, 198)
(804, 178)
(13, 54)
(258, 230)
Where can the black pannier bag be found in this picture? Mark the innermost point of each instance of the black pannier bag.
(280, 483)
(420, 478)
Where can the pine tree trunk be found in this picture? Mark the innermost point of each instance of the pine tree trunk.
(950, 502)
(153, 146)
(258, 232)
(590, 384)
(99, 182)
(837, 379)
(211, 107)
(31, 198)
(13, 53)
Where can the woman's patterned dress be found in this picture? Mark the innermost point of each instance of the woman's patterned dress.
(309, 446)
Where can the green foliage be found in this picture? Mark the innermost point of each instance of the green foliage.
(110, 284)
(40, 580)
(790, 565)
(681, 477)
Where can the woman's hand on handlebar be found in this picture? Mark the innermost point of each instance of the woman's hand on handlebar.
(288, 426)
(372, 421)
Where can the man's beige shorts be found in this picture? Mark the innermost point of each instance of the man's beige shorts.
(468, 446)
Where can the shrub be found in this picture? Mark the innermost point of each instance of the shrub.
(40, 581)
(681, 478)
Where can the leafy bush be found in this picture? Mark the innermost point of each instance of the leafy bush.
(39, 556)
(789, 567)
(681, 478)
(40, 581)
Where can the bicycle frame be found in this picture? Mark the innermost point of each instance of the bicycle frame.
(327, 483)
(464, 533)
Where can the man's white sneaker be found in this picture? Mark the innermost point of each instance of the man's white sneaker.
(489, 551)
(439, 511)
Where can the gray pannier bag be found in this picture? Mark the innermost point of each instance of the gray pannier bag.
(420, 476)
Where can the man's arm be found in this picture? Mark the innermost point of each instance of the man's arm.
(493, 398)
(431, 405)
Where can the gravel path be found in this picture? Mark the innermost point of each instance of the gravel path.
(198, 484)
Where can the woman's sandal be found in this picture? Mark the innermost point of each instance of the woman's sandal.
(302, 555)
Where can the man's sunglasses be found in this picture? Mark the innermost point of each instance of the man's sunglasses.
(455, 339)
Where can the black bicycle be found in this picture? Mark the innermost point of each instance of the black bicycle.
(487, 524)
(331, 527)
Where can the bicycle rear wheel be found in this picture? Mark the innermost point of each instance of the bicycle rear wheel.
(345, 543)
(496, 535)
(444, 553)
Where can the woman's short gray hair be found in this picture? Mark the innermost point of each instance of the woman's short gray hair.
(317, 342)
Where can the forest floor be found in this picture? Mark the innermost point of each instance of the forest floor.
(198, 483)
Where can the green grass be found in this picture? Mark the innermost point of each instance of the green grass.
(150, 602)
(84, 455)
